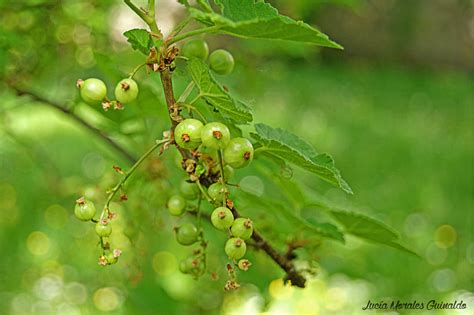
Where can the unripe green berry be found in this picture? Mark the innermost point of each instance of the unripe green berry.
(222, 218)
(84, 209)
(238, 153)
(187, 234)
(217, 192)
(188, 265)
(93, 91)
(221, 61)
(215, 135)
(103, 230)
(187, 133)
(176, 205)
(228, 172)
(189, 190)
(235, 248)
(195, 48)
(242, 228)
(126, 91)
(111, 259)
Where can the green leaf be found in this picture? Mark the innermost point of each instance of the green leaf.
(281, 144)
(215, 95)
(140, 40)
(250, 19)
(184, 2)
(368, 228)
(327, 230)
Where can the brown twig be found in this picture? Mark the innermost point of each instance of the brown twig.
(68, 112)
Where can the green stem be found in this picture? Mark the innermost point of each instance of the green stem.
(120, 184)
(178, 38)
(148, 18)
(136, 70)
(205, 194)
(205, 6)
(196, 98)
(180, 27)
(221, 166)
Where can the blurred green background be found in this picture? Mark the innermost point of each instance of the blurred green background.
(394, 109)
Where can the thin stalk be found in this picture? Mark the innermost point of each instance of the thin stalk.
(147, 17)
(192, 33)
(120, 184)
(136, 70)
(221, 166)
(205, 194)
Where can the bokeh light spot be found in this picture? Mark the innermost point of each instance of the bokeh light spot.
(278, 289)
(56, 216)
(75, 293)
(107, 299)
(164, 263)
(38, 243)
(445, 236)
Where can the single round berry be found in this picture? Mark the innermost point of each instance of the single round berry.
(217, 192)
(215, 135)
(126, 91)
(188, 265)
(238, 153)
(176, 205)
(187, 133)
(93, 91)
(189, 190)
(195, 48)
(222, 218)
(187, 234)
(221, 61)
(235, 248)
(103, 230)
(84, 209)
(111, 259)
(242, 228)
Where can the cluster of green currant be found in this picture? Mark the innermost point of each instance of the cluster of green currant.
(85, 211)
(213, 138)
(94, 91)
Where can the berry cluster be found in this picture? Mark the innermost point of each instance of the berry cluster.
(216, 155)
(94, 91)
(85, 211)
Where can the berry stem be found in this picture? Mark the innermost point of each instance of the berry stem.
(119, 185)
(136, 70)
(221, 166)
(203, 191)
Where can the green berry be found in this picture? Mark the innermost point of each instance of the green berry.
(242, 228)
(228, 172)
(92, 90)
(235, 248)
(187, 133)
(126, 91)
(215, 135)
(188, 265)
(84, 209)
(111, 259)
(187, 234)
(189, 190)
(222, 218)
(221, 61)
(195, 48)
(238, 153)
(103, 230)
(176, 205)
(217, 192)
